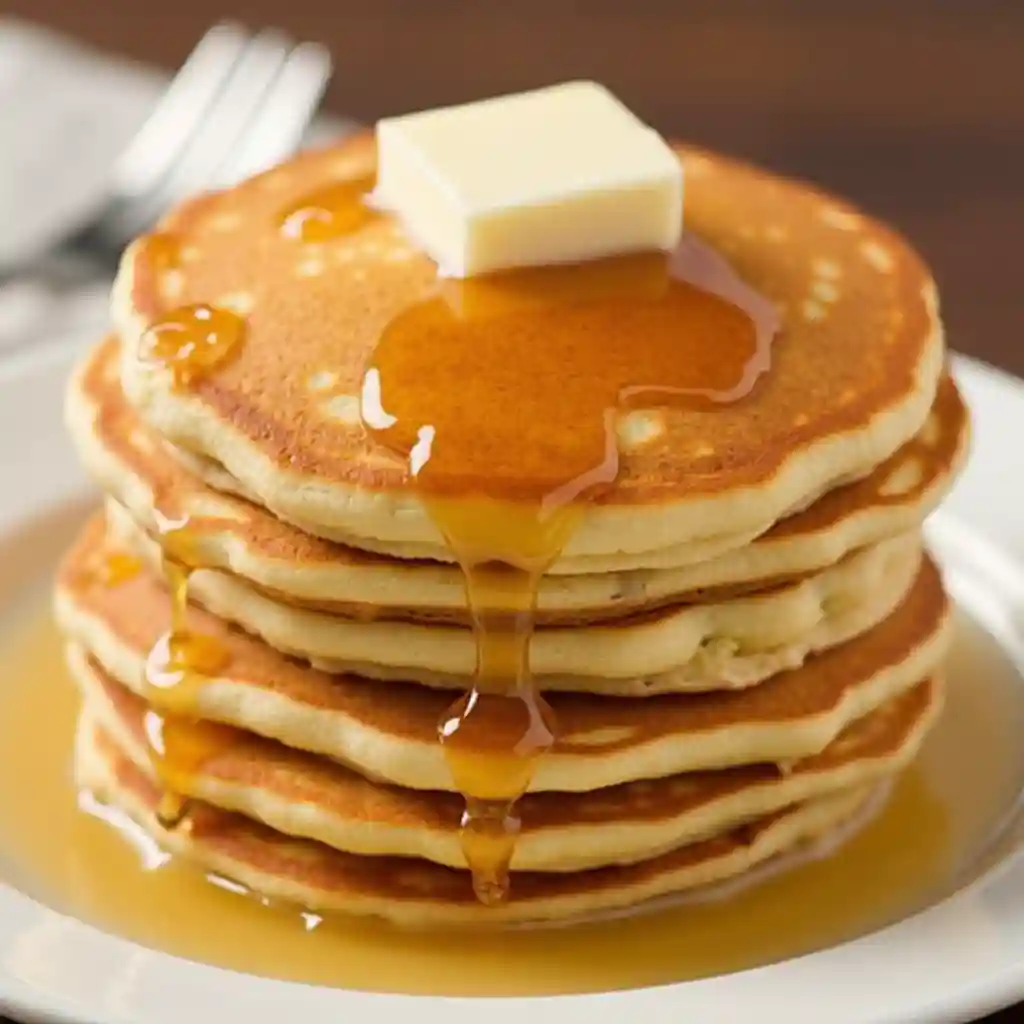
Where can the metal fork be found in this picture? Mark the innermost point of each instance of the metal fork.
(240, 103)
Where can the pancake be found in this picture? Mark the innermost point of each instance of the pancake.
(854, 370)
(412, 892)
(308, 796)
(146, 475)
(691, 647)
(389, 730)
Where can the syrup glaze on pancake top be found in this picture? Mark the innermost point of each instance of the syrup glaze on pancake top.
(507, 457)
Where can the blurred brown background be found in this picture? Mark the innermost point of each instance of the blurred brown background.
(913, 109)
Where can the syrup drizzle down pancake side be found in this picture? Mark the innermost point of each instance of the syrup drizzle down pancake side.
(190, 342)
(458, 385)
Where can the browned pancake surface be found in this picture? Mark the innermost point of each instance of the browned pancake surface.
(839, 361)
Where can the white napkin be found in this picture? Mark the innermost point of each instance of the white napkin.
(66, 112)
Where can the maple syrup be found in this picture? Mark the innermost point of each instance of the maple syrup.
(939, 820)
(331, 212)
(180, 740)
(192, 341)
(161, 250)
(503, 393)
(114, 567)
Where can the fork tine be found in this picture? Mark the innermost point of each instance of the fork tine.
(180, 111)
(284, 117)
(226, 121)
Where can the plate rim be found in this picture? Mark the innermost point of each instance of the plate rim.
(979, 931)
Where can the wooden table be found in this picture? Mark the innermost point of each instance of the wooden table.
(914, 110)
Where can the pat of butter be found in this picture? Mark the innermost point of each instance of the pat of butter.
(557, 175)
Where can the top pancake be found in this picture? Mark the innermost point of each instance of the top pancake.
(854, 369)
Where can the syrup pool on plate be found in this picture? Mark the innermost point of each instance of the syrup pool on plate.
(940, 817)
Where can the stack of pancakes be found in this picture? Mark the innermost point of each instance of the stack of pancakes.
(741, 641)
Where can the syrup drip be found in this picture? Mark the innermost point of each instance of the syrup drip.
(181, 749)
(115, 568)
(331, 212)
(193, 341)
(508, 388)
(161, 251)
(180, 741)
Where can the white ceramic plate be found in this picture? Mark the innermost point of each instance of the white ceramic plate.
(953, 962)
